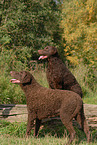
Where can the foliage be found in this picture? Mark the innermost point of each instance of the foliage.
(14, 59)
(10, 93)
(80, 29)
(29, 24)
(86, 79)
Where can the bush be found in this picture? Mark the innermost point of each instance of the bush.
(10, 93)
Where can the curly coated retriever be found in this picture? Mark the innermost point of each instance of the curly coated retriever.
(44, 102)
(58, 75)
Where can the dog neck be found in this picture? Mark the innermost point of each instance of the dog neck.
(30, 86)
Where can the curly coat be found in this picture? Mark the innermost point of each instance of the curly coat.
(44, 103)
(58, 75)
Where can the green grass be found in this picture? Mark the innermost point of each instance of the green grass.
(48, 140)
(40, 76)
(90, 100)
(31, 141)
(88, 83)
(51, 133)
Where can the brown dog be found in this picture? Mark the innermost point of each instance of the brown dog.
(58, 75)
(44, 102)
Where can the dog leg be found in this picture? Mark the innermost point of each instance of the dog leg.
(68, 124)
(37, 126)
(30, 124)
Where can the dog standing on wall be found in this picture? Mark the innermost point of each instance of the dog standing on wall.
(58, 75)
(44, 103)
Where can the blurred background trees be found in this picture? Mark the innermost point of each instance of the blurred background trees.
(80, 31)
(27, 26)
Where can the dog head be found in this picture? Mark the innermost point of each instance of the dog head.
(21, 77)
(47, 52)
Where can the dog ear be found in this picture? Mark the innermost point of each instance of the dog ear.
(26, 77)
(54, 50)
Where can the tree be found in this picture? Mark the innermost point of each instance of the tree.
(80, 31)
(29, 25)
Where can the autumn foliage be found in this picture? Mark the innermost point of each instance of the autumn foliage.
(80, 31)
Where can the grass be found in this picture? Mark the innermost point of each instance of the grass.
(51, 133)
(88, 83)
(31, 141)
(40, 76)
(90, 100)
(40, 141)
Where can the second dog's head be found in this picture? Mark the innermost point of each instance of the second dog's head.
(47, 52)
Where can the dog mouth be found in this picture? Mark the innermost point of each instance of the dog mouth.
(15, 81)
(42, 57)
